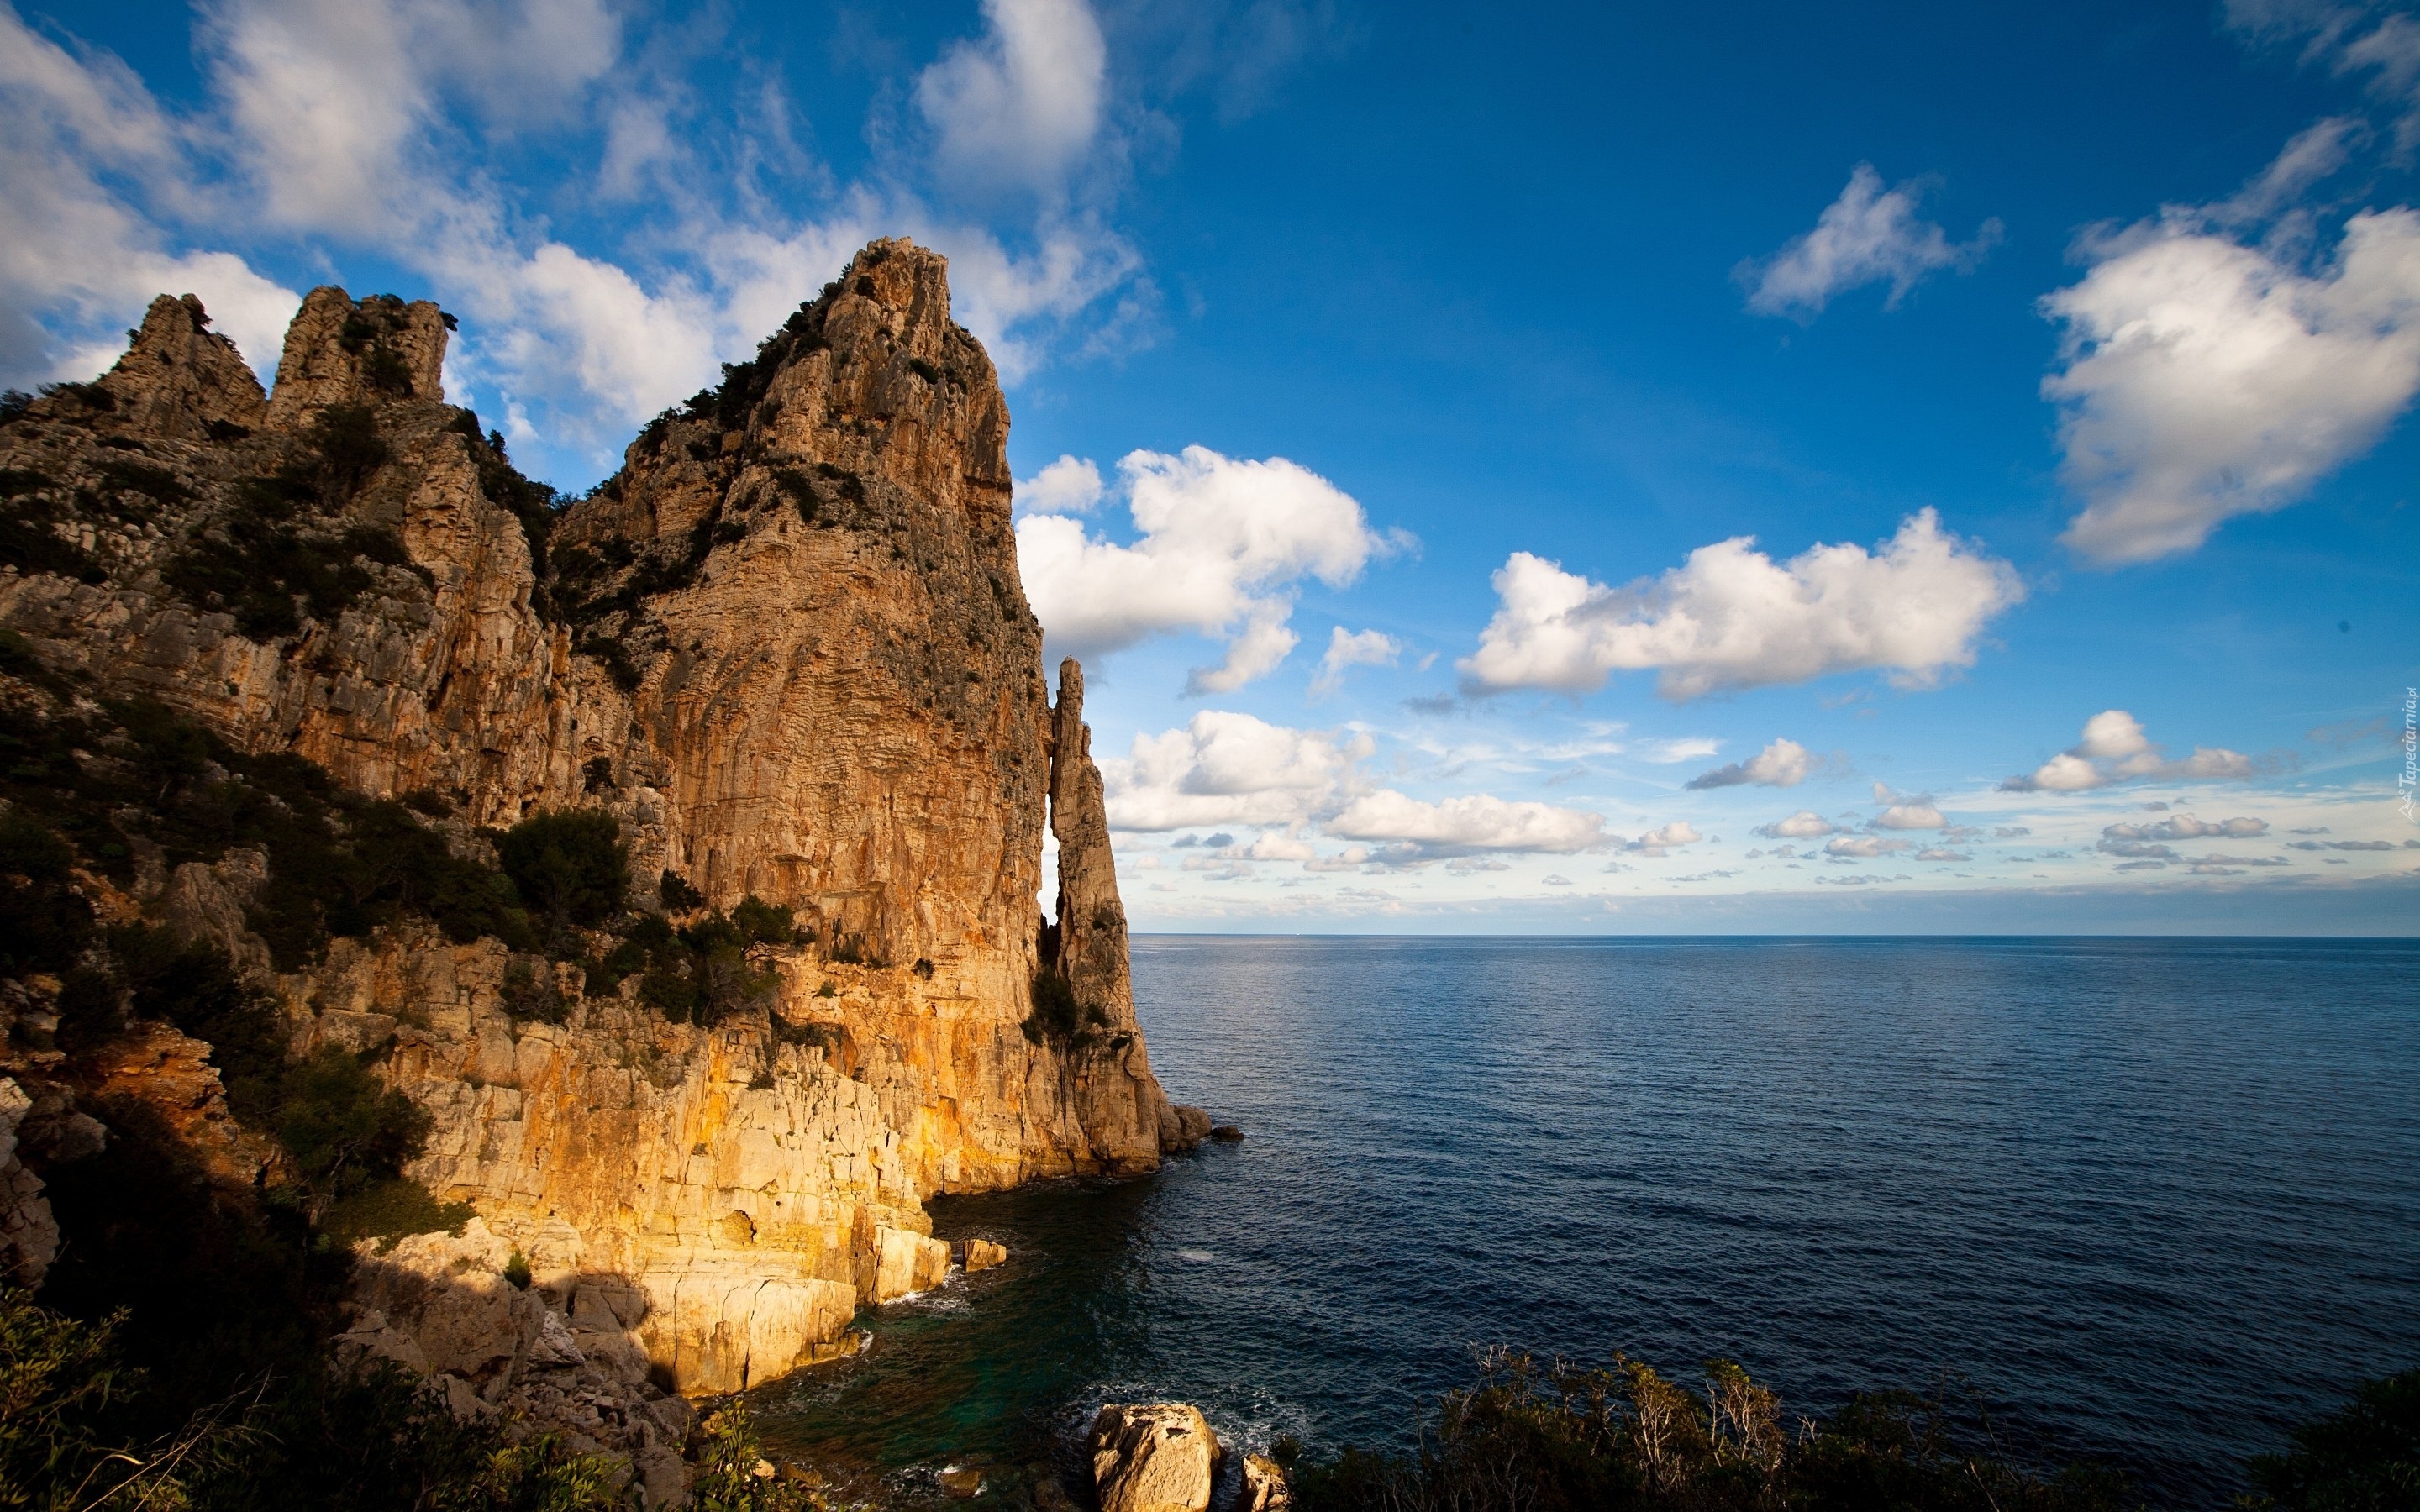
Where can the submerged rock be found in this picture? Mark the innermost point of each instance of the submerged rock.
(1160, 1456)
(1227, 1134)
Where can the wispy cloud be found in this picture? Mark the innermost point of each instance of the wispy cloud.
(1869, 234)
(391, 131)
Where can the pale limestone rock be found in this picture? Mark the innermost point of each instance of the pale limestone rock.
(341, 353)
(1128, 1111)
(981, 1255)
(839, 706)
(562, 1354)
(29, 1236)
(1191, 1126)
(179, 381)
(907, 1262)
(206, 902)
(1266, 1488)
(172, 1073)
(1157, 1458)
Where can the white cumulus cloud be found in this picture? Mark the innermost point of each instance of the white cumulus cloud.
(1907, 810)
(2185, 827)
(1227, 768)
(2114, 749)
(1863, 847)
(1869, 234)
(1783, 765)
(1804, 825)
(1352, 648)
(76, 253)
(1665, 836)
(2204, 376)
(1469, 824)
(1024, 102)
(1222, 543)
(1731, 617)
(392, 129)
(1070, 485)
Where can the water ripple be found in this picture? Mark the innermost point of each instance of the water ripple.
(2158, 1200)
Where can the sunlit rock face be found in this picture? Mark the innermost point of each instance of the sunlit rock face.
(787, 647)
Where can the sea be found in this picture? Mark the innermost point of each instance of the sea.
(2146, 1201)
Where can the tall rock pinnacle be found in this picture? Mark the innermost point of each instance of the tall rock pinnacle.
(785, 647)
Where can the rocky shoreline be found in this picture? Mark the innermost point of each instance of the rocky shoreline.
(652, 875)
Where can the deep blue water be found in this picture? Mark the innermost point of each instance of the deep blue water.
(2155, 1200)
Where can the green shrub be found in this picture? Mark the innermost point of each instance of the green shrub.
(345, 1132)
(2363, 1458)
(677, 896)
(763, 923)
(254, 570)
(45, 924)
(194, 987)
(569, 864)
(530, 992)
(60, 1387)
(29, 543)
(1554, 1437)
(138, 761)
(516, 1270)
(727, 1478)
(390, 1209)
(376, 1441)
(1057, 1018)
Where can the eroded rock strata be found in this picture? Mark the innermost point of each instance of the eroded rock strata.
(786, 646)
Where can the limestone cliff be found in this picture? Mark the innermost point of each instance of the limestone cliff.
(786, 646)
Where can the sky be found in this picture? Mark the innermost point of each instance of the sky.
(1570, 468)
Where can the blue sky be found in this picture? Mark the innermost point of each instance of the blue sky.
(1569, 469)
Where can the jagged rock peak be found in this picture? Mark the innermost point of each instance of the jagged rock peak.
(342, 351)
(871, 377)
(181, 380)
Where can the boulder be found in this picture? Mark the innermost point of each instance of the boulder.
(1185, 1127)
(29, 1236)
(1265, 1489)
(981, 1255)
(1160, 1456)
(1227, 1134)
(907, 1262)
(963, 1485)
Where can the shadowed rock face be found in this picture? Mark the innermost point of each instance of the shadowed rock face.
(785, 646)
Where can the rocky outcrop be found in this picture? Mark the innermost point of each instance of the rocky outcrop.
(1266, 1488)
(981, 1255)
(786, 646)
(1090, 943)
(1159, 1457)
(340, 351)
(29, 1236)
(182, 381)
(558, 1349)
